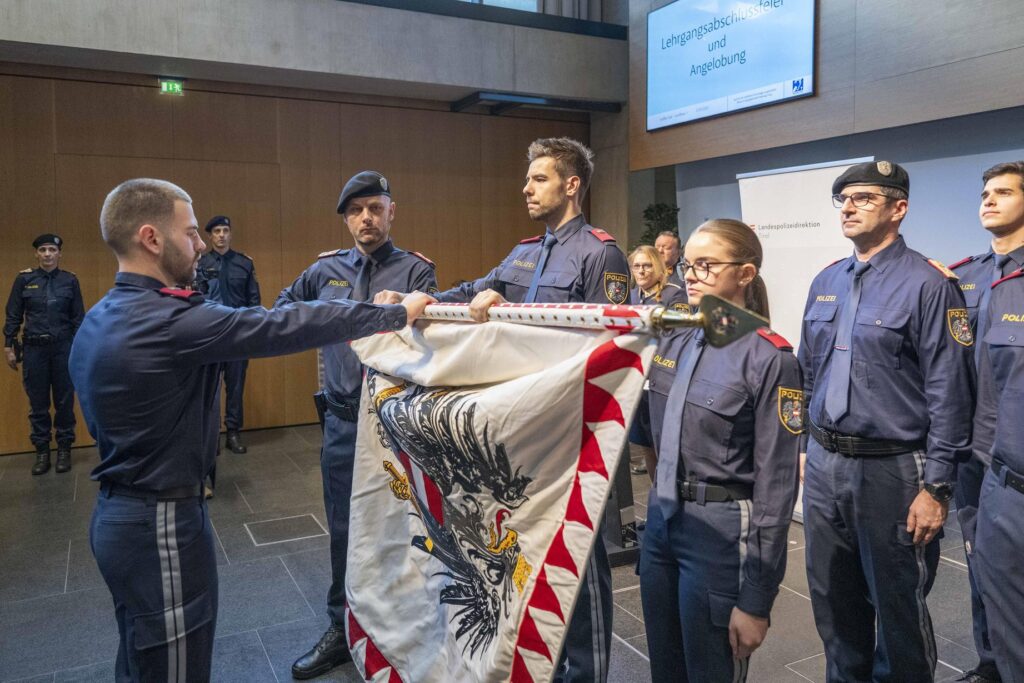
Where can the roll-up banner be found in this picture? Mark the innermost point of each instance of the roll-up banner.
(791, 211)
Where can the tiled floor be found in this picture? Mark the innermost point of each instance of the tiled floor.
(56, 618)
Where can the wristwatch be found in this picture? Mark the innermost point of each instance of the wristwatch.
(941, 492)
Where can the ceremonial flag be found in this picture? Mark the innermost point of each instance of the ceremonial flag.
(483, 464)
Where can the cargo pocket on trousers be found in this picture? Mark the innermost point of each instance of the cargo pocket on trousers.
(720, 606)
(166, 626)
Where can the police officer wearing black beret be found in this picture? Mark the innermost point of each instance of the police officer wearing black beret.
(375, 264)
(146, 365)
(48, 301)
(229, 277)
(887, 355)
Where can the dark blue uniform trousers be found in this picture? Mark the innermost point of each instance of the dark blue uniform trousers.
(690, 573)
(158, 561)
(864, 572)
(337, 459)
(968, 492)
(234, 391)
(44, 370)
(588, 637)
(999, 565)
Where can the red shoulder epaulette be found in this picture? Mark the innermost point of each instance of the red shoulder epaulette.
(423, 258)
(1015, 274)
(528, 240)
(179, 293)
(942, 268)
(602, 235)
(962, 262)
(837, 261)
(777, 340)
(325, 254)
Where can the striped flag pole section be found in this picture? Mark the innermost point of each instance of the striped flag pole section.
(582, 316)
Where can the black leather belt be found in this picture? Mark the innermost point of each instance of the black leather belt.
(700, 492)
(342, 408)
(1008, 477)
(179, 493)
(859, 447)
(38, 339)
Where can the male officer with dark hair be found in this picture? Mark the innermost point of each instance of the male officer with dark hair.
(146, 364)
(669, 247)
(229, 277)
(887, 354)
(1002, 214)
(49, 302)
(572, 262)
(374, 265)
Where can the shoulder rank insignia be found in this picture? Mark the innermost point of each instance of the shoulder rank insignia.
(27, 270)
(602, 235)
(325, 254)
(959, 326)
(962, 262)
(530, 240)
(791, 409)
(1015, 274)
(939, 266)
(245, 255)
(616, 287)
(776, 339)
(423, 258)
(184, 294)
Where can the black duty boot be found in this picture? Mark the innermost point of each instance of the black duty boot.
(42, 465)
(63, 458)
(331, 651)
(235, 443)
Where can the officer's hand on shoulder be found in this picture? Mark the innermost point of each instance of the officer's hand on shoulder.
(386, 296)
(483, 301)
(415, 303)
(12, 358)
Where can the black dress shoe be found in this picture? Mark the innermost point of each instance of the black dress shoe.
(980, 676)
(235, 443)
(63, 458)
(42, 465)
(331, 651)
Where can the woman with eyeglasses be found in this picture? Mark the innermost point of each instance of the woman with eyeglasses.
(725, 422)
(650, 278)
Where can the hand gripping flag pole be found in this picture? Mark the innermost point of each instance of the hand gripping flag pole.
(723, 322)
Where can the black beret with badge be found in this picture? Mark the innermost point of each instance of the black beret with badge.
(48, 238)
(880, 173)
(363, 184)
(215, 221)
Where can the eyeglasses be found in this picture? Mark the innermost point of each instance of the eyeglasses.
(858, 199)
(642, 266)
(702, 269)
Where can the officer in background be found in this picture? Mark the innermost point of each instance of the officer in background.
(49, 302)
(887, 355)
(145, 362)
(374, 265)
(229, 277)
(1002, 214)
(572, 262)
(669, 247)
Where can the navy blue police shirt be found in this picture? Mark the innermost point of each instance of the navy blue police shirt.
(47, 303)
(1001, 371)
(146, 363)
(740, 425)
(672, 296)
(977, 273)
(584, 266)
(228, 278)
(912, 373)
(334, 276)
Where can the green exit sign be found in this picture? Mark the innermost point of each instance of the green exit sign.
(169, 86)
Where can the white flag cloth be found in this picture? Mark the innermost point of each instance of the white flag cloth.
(482, 470)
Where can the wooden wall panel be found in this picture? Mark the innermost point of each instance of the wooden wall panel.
(275, 164)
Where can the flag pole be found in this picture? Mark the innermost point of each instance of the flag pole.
(722, 321)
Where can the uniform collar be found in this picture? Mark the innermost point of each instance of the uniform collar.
(1017, 256)
(53, 273)
(379, 255)
(570, 228)
(226, 256)
(882, 259)
(136, 280)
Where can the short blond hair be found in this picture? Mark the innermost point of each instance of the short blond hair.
(572, 158)
(134, 203)
(660, 272)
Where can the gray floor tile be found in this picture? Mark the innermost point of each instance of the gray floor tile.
(949, 604)
(626, 624)
(287, 642)
(33, 570)
(810, 668)
(94, 673)
(627, 662)
(238, 544)
(791, 637)
(796, 573)
(283, 529)
(82, 569)
(240, 658)
(311, 570)
(258, 594)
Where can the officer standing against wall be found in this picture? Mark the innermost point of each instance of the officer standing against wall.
(1002, 214)
(49, 302)
(146, 363)
(572, 262)
(229, 277)
(887, 354)
(375, 264)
